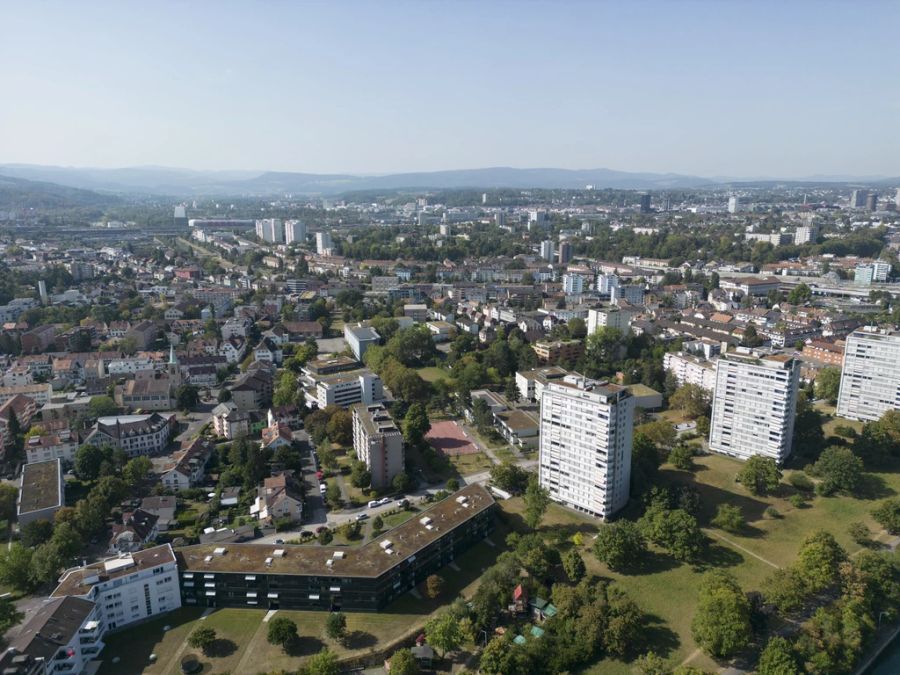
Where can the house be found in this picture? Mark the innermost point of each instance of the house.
(360, 338)
(284, 414)
(163, 507)
(230, 496)
(268, 351)
(138, 528)
(146, 393)
(38, 339)
(63, 636)
(441, 331)
(280, 496)
(23, 408)
(61, 445)
(233, 349)
(229, 422)
(144, 334)
(135, 434)
(188, 465)
(253, 390)
(298, 331)
(276, 436)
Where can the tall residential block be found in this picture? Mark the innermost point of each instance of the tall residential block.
(378, 443)
(271, 230)
(585, 446)
(323, 243)
(754, 404)
(870, 379)
(294, 232)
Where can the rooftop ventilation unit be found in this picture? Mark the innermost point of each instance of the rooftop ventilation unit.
(219, 551)
(278, 553)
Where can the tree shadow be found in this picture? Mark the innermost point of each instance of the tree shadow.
(220, 648)
(872, 486)
(360, 639)
(304, 645)
(717, 555)
(650, 562)
(658, 635)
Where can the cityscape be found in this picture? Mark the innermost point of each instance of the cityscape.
(415, 418)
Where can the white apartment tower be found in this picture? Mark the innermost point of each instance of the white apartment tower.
(547, 250)
(754, 403)
(294, 232)
(378, 443)
(271, 230)
(573, 284)
(734, 204)
(870, 379)
(323, 243)
(585, 446)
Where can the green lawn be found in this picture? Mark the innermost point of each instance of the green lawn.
(433, 373)
(395, 519)
(468, 464)
(667, 590)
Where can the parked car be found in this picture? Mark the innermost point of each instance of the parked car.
(322, 488)
(279, 541)
(374, 503)
(362, 516)
(384, 500)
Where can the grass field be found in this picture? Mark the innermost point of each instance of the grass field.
(667, 590)
(433, 373)
(469, 464)
(242, 646)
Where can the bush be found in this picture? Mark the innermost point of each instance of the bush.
(282, 524)
(797, 501)
(888, 515)
(771, 512)
(325, 537)
(800, 481)
(377, 524)
(860, 533)
(729, 518)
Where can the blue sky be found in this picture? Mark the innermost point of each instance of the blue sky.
(711, 88)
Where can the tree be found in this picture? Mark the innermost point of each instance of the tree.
(660, 433)
(675, 530)
(828, 383)
(102, 406)
(818, 561)
(577, 328)
(682, 457)
(799, 294)
(88, 459)
(333, 495)
(434, 586)
(729, 517)
(202, 638)
(619, 543)
(340, 427)
(403, 663)
(537, 499)
(36, 533)
(651, 664)
(888, 515)
(402, 482)
(785, 589)
(136, 470)
(839, 469)
(9, 615)
(15, 567)
(509, 477)
(8, 496)
(721, 624)
(691, 399)
(777, 659)
(336, 626)
(323, 663)
(760, 475)
(444, 633)
(46, 564)
(377, 524)
(415, 424)
(481, 413)
(187, 396)
(360, 476)
(751, 337)
(574, 566)
(282, 632)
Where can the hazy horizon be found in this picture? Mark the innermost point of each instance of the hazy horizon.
(706, 89)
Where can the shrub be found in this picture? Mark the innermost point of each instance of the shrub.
(771, 512)
(888, 515)
(797, 501)
(729, 518)
(860, 533)
(801, 481)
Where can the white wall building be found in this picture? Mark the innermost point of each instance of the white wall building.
(573, 283)
(609, 317)
(345, 389)
(870, 378)
(606, 283)
(271, 230)
(585, 444)
(378, 443)
(294, 232)
(547, 250)
(689, 369)
(754, 404)
(324, 243)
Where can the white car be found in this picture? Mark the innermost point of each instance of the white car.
(362, 516)
(323, 487)
(384, 500)
(374, 503)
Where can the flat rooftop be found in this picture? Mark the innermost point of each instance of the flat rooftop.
(40, 486)
(375, 418)
(75, 581)
(369, 560)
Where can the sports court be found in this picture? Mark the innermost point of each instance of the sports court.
(449, 438)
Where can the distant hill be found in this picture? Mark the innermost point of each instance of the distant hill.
(18, 193)
(164, 181)
(151, 180)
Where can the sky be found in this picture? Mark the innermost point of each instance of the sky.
(717, 88)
